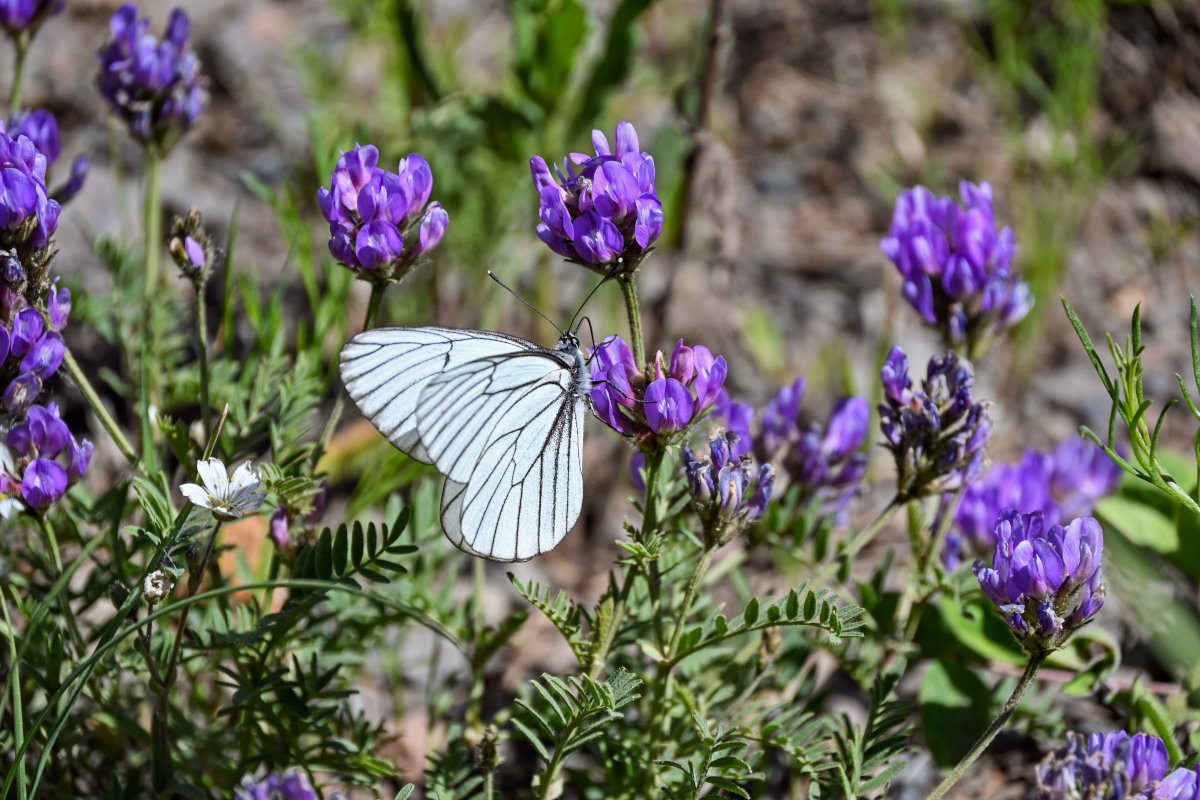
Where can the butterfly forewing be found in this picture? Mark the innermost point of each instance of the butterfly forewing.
(385, 370)
(501, 417)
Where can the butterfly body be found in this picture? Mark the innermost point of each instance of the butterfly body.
(500, 417)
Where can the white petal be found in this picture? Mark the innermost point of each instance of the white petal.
(9, 506)
(196, 494)
(245, 478)
(212, 475)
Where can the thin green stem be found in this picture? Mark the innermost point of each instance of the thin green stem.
(152, 221)
(161, 756)
(860, 540)
(52, 543)
(629, 292)
(689, 597)
(102, 414)
(14, 102)
(202, 344)
(1014, 700)
(339, 405)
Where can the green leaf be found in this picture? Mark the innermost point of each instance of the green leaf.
(751, 614)
(1140, 523)
(955, 708)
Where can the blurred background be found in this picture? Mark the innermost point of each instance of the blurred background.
(782, 132)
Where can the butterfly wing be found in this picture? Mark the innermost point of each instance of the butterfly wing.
(385, 369)
(526, 492)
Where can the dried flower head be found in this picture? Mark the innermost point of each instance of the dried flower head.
(157, 587)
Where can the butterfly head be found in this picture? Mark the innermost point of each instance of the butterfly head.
(568, 342)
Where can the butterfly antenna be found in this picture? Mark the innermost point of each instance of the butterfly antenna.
(612, 271)
(508, 289)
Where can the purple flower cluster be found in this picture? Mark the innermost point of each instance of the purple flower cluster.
(720, 488)
(291, 785)
(380, 222)
(31, 465)
(30, 351)
(1062, 484)
(824, 462)
(957, 267)
(28, 217)
(1113, 766)
(1045, 579)
(154, 86)
(42, 129)
(937, 434)
(608, 213)
(23, 17)
(664, 402)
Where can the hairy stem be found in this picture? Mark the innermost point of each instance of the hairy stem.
(152, 225)
(994, 728)
(22, 47)
(629, 292)
(339, 405)
(202, 344)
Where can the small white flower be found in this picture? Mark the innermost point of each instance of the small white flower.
(156, 587)
(227, 498)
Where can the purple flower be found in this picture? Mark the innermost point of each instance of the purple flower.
(58, 303)
(44, 482)
(79, 170)
(739, 417)
(823, 463)
(43, 433)
(28, 217)
(1063, 484)
(606, 214)
(379, 222)
(675, 395)
(22, 390)
(936, 434)
(1181, 784)
(80, 458)
(291, 785)
(1044, 579)
(19, 17)
(720, 488)
(1111, 766)
(42, 129)
(279, 527)
(956, 266)
(153, 85)
(46, 355)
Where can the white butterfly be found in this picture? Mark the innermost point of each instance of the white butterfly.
(500, 417)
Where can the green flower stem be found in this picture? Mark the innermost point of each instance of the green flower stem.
(14, 102)
(64, 604)
(339, 405)
(102, 414)
(1014, 700)
(629, 292)
(860, 540)
(161, 754)
(152, 221)
(202, 344)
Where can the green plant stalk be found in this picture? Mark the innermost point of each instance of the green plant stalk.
(152, 221)
(22, 47)
(860, 540)
(202, 344)
(102, 414)
(161, 754)
(17, 704)
(922, 587)
(629, 292)
(339, 405)
(960, 769)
